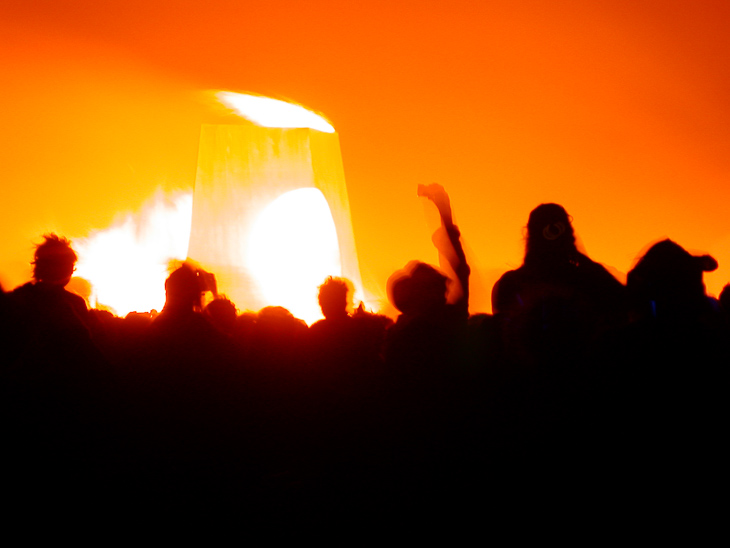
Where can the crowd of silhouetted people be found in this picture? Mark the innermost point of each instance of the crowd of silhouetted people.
(576, 385)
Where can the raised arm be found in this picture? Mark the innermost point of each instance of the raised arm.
(440, 199)
(448, 240)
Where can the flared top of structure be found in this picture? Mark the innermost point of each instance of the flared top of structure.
(267, 112)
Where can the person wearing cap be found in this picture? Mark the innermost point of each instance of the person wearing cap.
(667, 284)
(664, 382)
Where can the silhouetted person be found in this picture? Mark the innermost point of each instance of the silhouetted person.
(181, 335)
(666, 284)
(346, 347)
(333, 298)
(674, 322)
(222, 313)
(334, 339)
(549, 313)
(52, 324)
(558, 300)
(278, 338)
(183, 393)
(430, 329)
(665, 380)
(424, 354)
(56, 377)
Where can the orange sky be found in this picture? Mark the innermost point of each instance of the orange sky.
(618, 110)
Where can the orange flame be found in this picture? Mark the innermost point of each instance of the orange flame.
(127, 264)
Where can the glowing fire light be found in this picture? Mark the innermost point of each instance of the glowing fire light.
(270, 218)
(271, 215)
(127, 263)
(295, 234)
(273, 113)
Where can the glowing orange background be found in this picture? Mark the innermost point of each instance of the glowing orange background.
(619, 110)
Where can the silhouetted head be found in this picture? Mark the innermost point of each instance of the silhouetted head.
(418, 288)
(333, 297)
(550, 235)
(222, 313)
(277, 320)
(54, 261)
(670, 277)
(183, 288)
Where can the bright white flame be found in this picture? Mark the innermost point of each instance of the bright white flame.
(268, 112)
(127, 263)
(292, 249)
